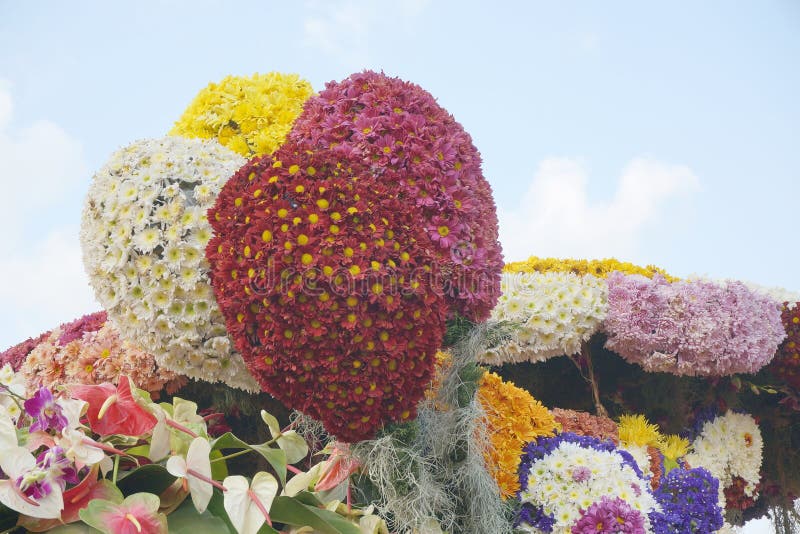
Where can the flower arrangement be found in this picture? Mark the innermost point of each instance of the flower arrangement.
(422, 156)
(324, 289)
(572, 483)
(597, 268)
(730, 447)
(691, 328)
(250, 115)
(143, 234)
(514, 418)
(90, 351)
(688, 500)
(107, 457)
(554, 312)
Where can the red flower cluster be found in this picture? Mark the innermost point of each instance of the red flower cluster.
(735, 498)
(786, 364)
(75, 329)
(323, 275)
(16, 355)
(586, 424)
(427, 162)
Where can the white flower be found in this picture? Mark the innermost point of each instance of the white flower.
(553, 313)
(729, 446)
(143, 234)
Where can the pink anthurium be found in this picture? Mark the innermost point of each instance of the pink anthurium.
(195, 470)
(114, 410)
(248, 504)
(137, 514)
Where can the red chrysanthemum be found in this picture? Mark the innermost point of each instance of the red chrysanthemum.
(75, 329)
(786, 364)
(323, 276)
(428, 163)
(16, 355)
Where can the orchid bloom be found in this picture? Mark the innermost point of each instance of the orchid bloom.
(248, 504)
(114, 410)
(137, 514)
(77, 447)
(31, 489)
(195, 470)
(45, 410)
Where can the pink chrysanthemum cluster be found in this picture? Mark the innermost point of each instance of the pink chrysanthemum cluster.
(90, 351)
(611, 515)
(410, 143)
(691, 327)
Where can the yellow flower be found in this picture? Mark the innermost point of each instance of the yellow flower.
(673, 447)
(598, 268)
(514, 418)
(636, 430)
(250, 115)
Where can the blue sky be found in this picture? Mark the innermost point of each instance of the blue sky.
(666, 134)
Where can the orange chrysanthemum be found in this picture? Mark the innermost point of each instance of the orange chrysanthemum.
(515, 418)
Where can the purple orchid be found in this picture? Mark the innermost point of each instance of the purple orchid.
(48, 414)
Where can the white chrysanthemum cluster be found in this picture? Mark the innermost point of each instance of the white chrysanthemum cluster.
(729, 446)
(143, 234)
(554, 313)
(571, 478)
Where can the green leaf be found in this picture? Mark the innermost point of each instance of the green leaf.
(275, 457)
(293, 512)
(8, 517)
(150, 478)
(186, 520)
(74, 528)
(294, 446)
(216, 507)
(228, 441)
(218, 469)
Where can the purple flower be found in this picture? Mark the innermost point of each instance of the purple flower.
(48, 414)
(581, 474)
(610, 515)
(61, 469)
(688, 500)
(77, 328)
(691, 327)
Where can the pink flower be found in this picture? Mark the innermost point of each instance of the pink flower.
(114, 410)
(137, 514)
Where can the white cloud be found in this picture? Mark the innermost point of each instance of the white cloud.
(556, 217)
(41, 270)
(43, 287)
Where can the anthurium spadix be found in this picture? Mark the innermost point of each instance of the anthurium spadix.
(195, 470)
(248, 504)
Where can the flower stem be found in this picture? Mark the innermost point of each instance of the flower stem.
(206, 479)
(598, 406)
(116, 470)
(232, 455)
(178, 426)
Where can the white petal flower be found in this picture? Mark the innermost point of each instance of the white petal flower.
(143, 234)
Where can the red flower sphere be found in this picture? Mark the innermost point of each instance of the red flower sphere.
(427, 162)
(324, 275)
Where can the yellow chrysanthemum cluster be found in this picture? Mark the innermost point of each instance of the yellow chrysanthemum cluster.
(636, 434)
(250, 115)
(599, 268)
(515, 418)
(673, 447)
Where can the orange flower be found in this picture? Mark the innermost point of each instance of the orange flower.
(515, 418)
